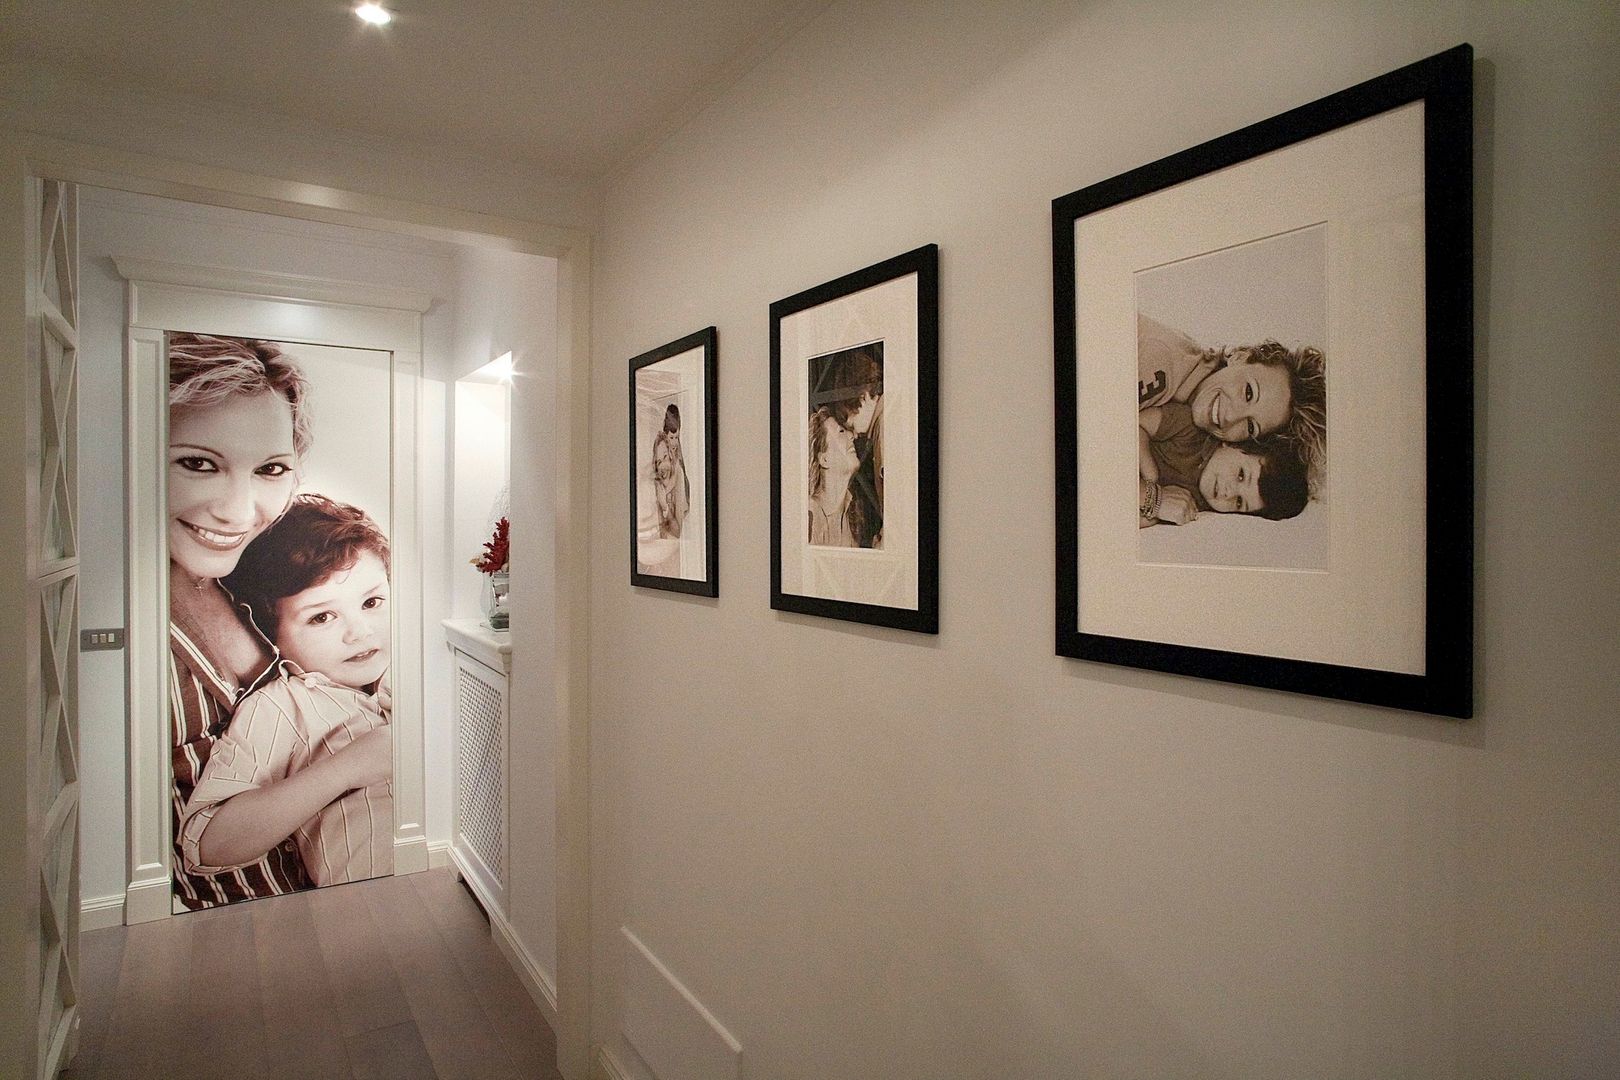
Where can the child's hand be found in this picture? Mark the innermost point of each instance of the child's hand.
(1176, 506)
(368, 760)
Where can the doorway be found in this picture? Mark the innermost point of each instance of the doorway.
(135, 842)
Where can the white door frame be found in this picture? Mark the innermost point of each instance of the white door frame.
(28, 156)
(279, 307)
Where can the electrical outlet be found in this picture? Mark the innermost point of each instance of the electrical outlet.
(101, 640)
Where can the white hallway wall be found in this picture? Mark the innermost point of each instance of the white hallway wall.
(880, 855)
(114, 223)
(507, 302)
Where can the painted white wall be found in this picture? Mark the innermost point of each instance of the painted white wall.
(977, 858)
(130, 225)
(482, 429)
(507, 302)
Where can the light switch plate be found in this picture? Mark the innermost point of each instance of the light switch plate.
(102, 640)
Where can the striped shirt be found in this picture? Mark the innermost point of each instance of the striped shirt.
(201, 701)
(278, 730)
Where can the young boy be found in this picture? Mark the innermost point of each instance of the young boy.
(1267, 479)
(307, 753)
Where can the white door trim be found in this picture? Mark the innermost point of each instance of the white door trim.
(257, 305)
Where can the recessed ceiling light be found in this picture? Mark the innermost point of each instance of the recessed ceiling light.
(375, 14)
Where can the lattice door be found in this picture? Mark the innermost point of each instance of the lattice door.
(54, 575)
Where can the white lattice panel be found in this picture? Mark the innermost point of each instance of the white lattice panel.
(481, 764)
(53, 439)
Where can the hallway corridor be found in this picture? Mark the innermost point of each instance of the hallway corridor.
(393, 979)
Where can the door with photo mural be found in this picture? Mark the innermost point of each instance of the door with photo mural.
(281, 627)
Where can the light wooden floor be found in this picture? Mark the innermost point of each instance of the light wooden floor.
(393, 979)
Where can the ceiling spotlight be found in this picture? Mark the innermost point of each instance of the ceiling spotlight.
(375, 14)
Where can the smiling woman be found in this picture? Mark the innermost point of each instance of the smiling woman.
(237, 430)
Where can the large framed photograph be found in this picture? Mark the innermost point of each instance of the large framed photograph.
(1288, 502)
(855, 446)
(674, 477)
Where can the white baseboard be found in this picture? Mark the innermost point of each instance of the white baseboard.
(438, 854)
(100, 912)
(411, 855)
(148, 901)
(534, 980)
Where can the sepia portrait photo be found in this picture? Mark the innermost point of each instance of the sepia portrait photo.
(845, 451)
(671, 461)
(1231, 421)
(1304, 277)
(854, 446)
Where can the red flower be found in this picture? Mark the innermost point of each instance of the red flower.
(496, 550)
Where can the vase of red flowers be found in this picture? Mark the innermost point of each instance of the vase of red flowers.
(494, 563)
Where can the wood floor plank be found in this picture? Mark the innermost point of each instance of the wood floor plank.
(391, 1053)
(356, 957)
(227, 1024)
(451, 1022)
(303, 1033)
(101, 955)
(512, 1013)
(147, 1036)
(396, 978)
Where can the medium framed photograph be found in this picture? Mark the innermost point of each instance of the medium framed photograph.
(674, 486)
(855, 446)
(1288, 502)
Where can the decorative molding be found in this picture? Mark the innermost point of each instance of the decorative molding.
(148, 901)
(411, 855)
(101, 912)
(539, 985)
(664, 1022)
(272, 284)
(438, 854)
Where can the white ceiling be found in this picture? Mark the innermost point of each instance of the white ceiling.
(573, 88)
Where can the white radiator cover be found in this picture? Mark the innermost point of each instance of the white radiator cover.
(478, 841)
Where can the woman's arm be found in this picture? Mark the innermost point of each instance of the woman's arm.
(247, 825)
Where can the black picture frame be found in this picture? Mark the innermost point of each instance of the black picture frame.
(914, 386)
(1443, 681)
(707, 340)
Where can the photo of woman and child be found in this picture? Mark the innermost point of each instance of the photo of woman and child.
(846, 448)
(1237, 428)
(672, 489)
(668, 406)
(280, 640)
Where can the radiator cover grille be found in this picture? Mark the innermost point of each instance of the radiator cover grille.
(480, 798)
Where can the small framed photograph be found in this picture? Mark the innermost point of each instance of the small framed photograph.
(674, 487)
(1287, 498)
(855, 446)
